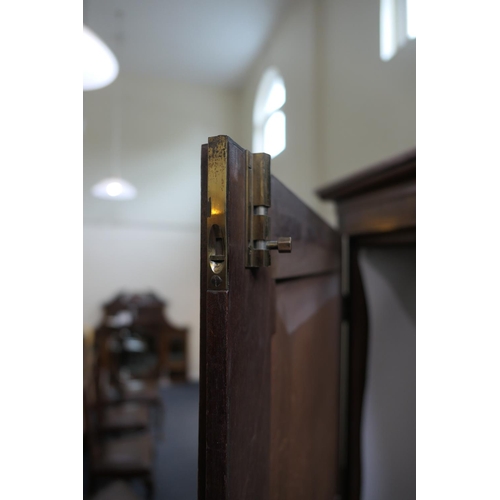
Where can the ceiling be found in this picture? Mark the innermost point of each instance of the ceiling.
(210, 42)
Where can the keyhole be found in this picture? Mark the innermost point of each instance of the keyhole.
(216, 249)
(219, 247)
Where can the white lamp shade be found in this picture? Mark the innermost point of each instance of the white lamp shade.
(100, 67)
(114, 188)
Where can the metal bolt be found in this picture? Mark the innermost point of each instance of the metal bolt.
(283, 245)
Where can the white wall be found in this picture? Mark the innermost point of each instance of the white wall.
(152, 242)
(164, 125)
(292, 49)
(369, 112)
(345, 109)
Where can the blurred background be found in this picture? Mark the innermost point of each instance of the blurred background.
(327, 87)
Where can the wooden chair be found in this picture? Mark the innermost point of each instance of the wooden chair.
(116, 418)
(113, 391)
(118, 490)
(123, 417)
(120, 458)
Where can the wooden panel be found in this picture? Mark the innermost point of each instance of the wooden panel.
(250, 322)
(270, 435)
(236, 326)
(404, 237)
(389, 172)
(379, 199)
(384, 210)
(305, 390)
(316, 247)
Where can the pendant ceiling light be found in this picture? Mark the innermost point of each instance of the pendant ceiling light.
(114, 187)
(100, 67)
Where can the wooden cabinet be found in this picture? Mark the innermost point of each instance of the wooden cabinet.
(378, 202)
(150, 345)
(376, 208)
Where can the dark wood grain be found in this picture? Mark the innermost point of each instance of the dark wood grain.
(250, 324)
(316, 247)
(305, 389)
(269, 349)
(394, 170)
(238, 329)
(384, 210)
(404, 237)
(379, 199)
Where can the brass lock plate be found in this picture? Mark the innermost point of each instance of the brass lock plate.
(257, 222)
(217, 213)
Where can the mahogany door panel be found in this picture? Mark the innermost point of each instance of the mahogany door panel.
(316, 246)
(305, 389)
(269, 337)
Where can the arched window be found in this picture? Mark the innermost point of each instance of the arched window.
(269, 121)
(397, 26)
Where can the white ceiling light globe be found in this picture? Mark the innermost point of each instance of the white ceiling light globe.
(114, 188)
(100, 67)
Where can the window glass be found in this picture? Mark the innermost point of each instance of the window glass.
(274, 134)
(269, 121)
(276, 97)
(397, 26)
(388, 42)
(410, 19)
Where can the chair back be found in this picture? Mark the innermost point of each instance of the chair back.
(91, 406)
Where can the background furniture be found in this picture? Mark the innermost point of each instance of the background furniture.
(125, 457)
(128, 456)
(375, 207)
(147, 344)
(117, 490)
(113, 390)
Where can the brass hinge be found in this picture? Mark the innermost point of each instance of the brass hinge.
(258, 201)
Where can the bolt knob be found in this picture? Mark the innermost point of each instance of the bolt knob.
(283, 245)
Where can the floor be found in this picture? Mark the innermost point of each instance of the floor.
(177, 455)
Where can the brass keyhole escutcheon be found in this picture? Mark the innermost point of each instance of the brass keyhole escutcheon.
(216, 250)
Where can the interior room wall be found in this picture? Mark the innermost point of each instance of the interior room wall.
(346, 108)
(292, 49)
(164, 124)
(150, 243)
(389, 419)
(369, 104)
